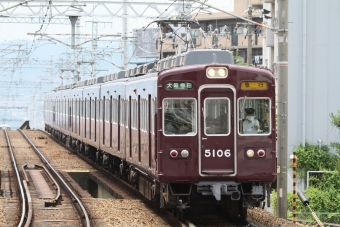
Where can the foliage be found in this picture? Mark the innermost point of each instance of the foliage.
(320, 200)
(311, 158)
(322, 193)
(336, 147)
(237, 59)
(335, 119)
(273, 201)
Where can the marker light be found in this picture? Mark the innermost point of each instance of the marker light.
(261, 153)
(250, 153)
(211, 72)
(221, 72)
(173, 153)
(185, 153)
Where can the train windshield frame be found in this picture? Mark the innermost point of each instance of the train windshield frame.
(179, 116)
(216, 116)
(254, 116)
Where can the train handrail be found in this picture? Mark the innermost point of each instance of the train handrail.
(83, 210)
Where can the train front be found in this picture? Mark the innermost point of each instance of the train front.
(216, 135)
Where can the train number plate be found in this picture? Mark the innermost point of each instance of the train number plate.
(217, 153)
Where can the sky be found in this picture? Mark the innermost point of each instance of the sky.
(26, 71)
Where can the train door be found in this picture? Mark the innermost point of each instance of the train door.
(217, 155)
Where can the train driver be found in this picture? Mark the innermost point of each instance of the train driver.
(250, 124)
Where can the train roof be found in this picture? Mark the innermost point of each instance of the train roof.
(193, 57)
(207, 56)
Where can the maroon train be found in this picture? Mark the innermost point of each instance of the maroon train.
(177, 129)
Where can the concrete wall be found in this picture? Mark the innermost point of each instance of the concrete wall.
(322, 77)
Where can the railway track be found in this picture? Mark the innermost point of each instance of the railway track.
(9, 200)
(170, 217)
(39, 188)
(103, 212)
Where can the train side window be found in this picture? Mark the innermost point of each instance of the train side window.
(133, 114)
(135, 106)
(179, 116)
(254, 116)
(88, 108)
(93, 108)
(216, 116)
(53, 113)
(145, 114)
(122, 112)
(114, 110)
(69, 103)
(152, 117)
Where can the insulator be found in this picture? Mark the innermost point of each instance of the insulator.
(303, 198)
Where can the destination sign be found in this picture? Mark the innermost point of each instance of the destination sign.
(254, 85)
(179, 86)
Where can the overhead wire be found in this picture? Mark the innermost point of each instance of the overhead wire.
(42, 25)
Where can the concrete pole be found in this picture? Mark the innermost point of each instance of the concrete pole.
(124, 37)
(76, 74)
(73, 20)
(94, 47)
(250, 35)
(51, 72)
(282, 75)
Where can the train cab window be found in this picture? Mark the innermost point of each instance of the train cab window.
(254, 116)
(216, 116)
(179, 116)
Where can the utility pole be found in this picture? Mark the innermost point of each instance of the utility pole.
(124, 37)
(249, 34)
(94, 47)
(282, 75)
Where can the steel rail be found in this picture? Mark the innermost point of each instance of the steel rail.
(29, 204)
(57, 198)
(128, 187)
(23, 212)
(82, 210)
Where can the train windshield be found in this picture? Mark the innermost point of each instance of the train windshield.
(254, 115)
(216, 116)
(179, 116)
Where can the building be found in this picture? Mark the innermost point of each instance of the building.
(313, 72)
(231, 32)
(217, 30)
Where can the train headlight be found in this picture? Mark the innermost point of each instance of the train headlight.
(222, 72)
(173, 153)
(261, 153)
(250, 153)
(217, 72)
(211, 72)
(185, 153)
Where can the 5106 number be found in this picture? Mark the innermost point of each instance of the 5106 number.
(219, 153)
